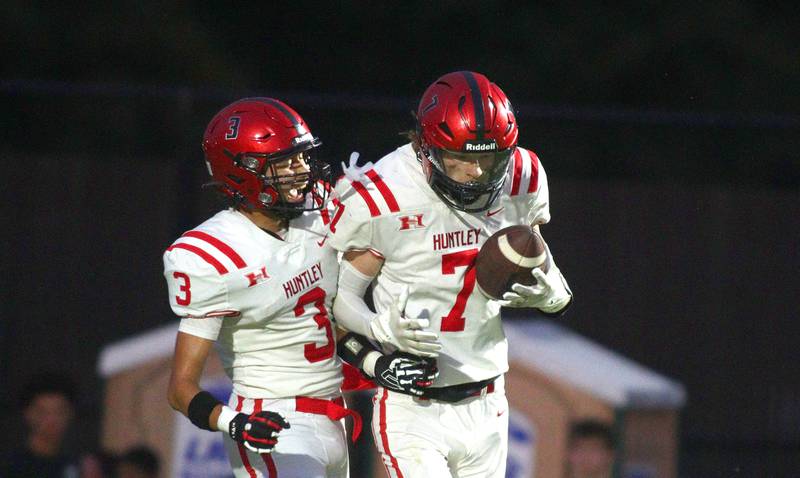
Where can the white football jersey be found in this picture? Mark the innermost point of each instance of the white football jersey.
(431, 248)
(264, 300)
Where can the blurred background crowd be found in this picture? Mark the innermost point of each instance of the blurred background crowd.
(47, 407)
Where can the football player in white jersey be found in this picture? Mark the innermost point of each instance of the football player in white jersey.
(413, 224)
(258, 279)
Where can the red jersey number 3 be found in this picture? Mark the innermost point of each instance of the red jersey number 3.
(185, 288)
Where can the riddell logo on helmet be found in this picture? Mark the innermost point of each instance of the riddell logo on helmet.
(480, 146)
(303, 138)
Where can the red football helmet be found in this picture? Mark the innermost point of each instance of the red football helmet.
(243, 142)
(462, 114)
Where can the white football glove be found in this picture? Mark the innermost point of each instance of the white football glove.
(353, 171)
(390, 327)
(550, 294)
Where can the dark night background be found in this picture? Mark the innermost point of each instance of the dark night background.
(670, 133)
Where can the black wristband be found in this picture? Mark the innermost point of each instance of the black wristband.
(200, 409)
(352, 348)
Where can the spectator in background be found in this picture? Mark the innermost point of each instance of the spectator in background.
(98, 464)
(138, 462)
(591, 450)
(48, 406)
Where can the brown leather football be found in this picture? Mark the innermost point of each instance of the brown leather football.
(507, 258)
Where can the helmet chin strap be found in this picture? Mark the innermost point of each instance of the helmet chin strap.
(286, 214)
(281, 210)
(463, 205)
(274, 212)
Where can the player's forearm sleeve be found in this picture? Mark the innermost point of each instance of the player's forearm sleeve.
(349, 308)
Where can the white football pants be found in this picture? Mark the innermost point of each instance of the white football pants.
(314, 447)
(433, 439)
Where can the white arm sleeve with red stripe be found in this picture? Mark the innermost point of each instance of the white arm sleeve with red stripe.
(352, 227)
(197, 293)
(537, 206)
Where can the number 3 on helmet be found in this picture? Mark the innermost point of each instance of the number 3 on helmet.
(244, 142)
(464, 115)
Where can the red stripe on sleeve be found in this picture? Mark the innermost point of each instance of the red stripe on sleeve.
(257, 405)
(533, 185)
(224, 248)
(515, 180)
(218, 313)
(384, 190)
(373, 208)
(385, 438)
(376, 254)
(203, 254)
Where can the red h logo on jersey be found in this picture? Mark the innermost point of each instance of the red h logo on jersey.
(256, 277)
(411, 222)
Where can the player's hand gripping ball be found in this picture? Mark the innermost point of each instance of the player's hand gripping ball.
(508, 257)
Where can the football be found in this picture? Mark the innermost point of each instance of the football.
(507, 258)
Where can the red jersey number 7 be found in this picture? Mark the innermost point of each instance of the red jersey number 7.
(454, 321)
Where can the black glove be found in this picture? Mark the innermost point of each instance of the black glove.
(257, 432)
(405, 373)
